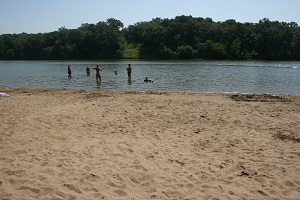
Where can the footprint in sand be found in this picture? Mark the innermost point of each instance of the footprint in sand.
(34, 190)
(72, 187)
(289, 184)
(121, 193)
(17, 172)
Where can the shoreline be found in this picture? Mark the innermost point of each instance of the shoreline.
(9, 89)
(103, 144)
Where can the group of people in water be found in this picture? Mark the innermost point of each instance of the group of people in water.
(98, 75)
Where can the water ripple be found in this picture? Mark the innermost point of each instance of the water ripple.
(190, 75)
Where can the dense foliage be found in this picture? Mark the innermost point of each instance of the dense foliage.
(183, 37)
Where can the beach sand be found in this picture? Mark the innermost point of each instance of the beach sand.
(64, 144)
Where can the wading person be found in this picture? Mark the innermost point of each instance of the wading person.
(88, 71)
(129, 69)
(98, 76)
(69, 71)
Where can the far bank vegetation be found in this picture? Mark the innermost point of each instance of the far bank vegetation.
(183, 37)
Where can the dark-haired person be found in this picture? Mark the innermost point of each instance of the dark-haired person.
(88, 71)
(129, 70)
(148, 80)
(98, 75)
(69, 71)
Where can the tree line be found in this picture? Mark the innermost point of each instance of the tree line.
(183, 37)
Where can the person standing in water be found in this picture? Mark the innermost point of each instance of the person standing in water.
(129, 70)
(88, 71)
(98, 76)
(69, 70)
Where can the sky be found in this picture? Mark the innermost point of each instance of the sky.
(43, 16)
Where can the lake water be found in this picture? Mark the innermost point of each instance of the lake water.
(188, 75)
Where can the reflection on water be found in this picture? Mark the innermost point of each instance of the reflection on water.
(189, 75)
(129, 81)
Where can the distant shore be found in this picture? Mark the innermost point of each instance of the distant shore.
(95, 144)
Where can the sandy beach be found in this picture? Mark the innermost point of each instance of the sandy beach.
(64, 144)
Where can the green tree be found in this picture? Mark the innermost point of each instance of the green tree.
(185, 52)
(235, 49)
(117, 24)
(214, 50)
(153, 36)
(166, 52)
(180, 37)
(34, 47)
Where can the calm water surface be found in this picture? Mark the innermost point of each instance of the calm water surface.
(192, 76)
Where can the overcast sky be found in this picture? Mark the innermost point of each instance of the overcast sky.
(41, 16)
